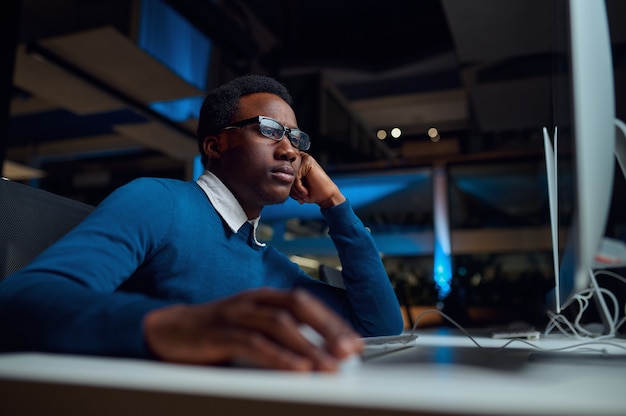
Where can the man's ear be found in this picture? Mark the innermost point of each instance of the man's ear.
(211, 147)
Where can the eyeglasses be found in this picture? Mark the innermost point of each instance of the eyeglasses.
(272, 129)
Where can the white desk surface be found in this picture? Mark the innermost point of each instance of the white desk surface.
(441, 375)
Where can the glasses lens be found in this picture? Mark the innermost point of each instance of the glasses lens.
(275, 131)
(299, 139)
(271, 129)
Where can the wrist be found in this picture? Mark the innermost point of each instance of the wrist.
(332, 201)
(158, 326)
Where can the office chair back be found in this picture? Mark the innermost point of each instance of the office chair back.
(32, 219)
(331, 276)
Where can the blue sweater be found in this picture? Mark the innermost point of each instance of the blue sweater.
(156, 242)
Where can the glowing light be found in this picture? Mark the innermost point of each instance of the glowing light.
(442, 270)
(433, 133)
(381, 134)
(396, 133)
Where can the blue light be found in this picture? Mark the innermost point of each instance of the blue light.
(360, 191)
(178, 110)
(177, 44)
(442, 273)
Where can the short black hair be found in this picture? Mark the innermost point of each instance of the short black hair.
(221, 104)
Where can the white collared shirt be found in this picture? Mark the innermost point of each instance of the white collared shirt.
(226, 204)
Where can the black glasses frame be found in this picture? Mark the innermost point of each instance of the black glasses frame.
(298, 139)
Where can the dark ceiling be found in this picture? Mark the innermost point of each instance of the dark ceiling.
(354, 35)
(350, 35)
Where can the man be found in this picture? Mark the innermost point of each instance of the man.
(173, 270)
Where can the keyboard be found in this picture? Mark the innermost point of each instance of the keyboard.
(390, 340)
(378, 346)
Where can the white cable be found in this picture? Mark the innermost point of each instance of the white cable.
(561, 323)
(583, 346)
(582, 298)
(612, 274)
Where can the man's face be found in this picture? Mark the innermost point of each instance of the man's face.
(258, 171)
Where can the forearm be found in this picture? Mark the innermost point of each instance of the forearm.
(373, 303)
(44, 313)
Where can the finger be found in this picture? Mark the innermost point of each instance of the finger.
(299, 307)
(278, 325)
(298, 191)
(253, 349)
(341, 340)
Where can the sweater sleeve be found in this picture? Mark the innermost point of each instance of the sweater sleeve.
(66, 299)
(369, 301)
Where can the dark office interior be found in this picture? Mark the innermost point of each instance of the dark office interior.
(468, 85)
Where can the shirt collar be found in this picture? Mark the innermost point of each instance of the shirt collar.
(226, 204)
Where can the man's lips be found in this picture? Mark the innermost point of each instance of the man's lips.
(285, 173)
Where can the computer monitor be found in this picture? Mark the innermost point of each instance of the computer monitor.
(584, 117)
